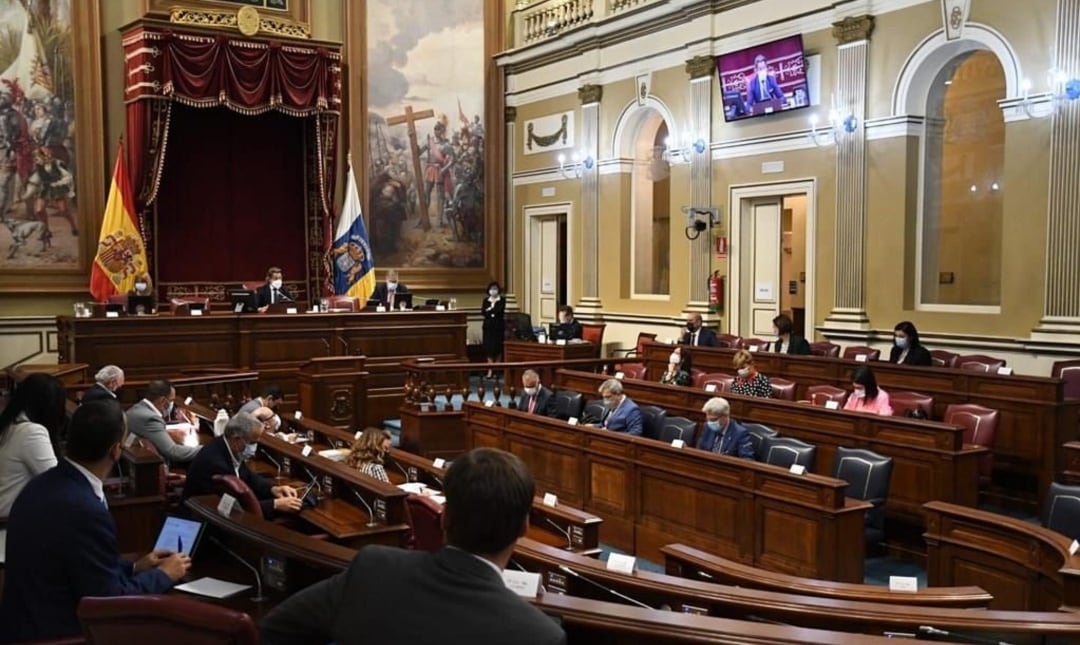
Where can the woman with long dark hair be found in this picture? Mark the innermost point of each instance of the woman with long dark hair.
(866, 396)
(493, 309)
(30, 428)
(907, 350)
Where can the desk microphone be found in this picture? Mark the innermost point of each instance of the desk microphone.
(565, 534)
(403, 471)
(367, 507)
(327, 343)
(928, 633)
(568, 570)
(282, 296)
(258, 579)
(273, 461)
(345, 343)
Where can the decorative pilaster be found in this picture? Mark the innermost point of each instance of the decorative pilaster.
(511, 218)
(701, 69)
(590, 96)
(1061, 309)
(853, 44)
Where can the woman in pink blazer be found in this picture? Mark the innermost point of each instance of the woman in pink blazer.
(866, 395)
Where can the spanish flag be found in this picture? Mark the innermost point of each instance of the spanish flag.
(121, 254)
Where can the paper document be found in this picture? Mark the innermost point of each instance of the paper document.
(212, 588)
(416, 488)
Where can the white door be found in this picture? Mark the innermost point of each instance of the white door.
(759, 288)
(545, 267)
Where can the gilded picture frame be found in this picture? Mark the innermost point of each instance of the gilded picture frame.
(56, 261)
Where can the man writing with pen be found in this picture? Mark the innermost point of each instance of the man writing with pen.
(228, 454)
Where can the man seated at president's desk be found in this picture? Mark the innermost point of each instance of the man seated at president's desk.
(273, 291)
(386, 292)
(567, 328)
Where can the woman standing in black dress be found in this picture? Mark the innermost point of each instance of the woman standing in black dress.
(493, 309)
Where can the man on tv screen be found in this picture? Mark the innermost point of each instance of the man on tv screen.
(762, 86)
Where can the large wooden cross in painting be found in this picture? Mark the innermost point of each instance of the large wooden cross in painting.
(409, 119)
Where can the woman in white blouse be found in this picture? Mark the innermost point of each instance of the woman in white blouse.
(29, 434)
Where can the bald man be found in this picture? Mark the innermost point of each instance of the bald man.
(697, 335)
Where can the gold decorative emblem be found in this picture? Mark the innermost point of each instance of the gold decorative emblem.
(120, 254)
(247, 20)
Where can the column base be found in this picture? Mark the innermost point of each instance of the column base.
(850, 319)
(1057, 331)
(589, 305)
(512, 303)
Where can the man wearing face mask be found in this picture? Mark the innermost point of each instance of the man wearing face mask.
(61, 538)
(387, 292)
(697, 335)
(620, 413)
(535, 398)
(147, 418)
(762, 87)
(227, 455)
(721, 434)
(273, 291)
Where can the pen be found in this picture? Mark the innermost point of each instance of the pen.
(179, 544)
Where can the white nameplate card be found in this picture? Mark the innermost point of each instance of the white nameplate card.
(112, 314)
(524, 583)
(225, 506)
(196, 312)
(358, 433)
(832, 404)
(380, 309)
(550, 499)
(572, 421)
(438, 463)
(489, 403)
(239, 308)
(621, 563)
(710, 387)
(1004, 371)
(677, 443)
(189, 401)
(290, 310)
(561, 341)
(906, 584)
(298, 415)
(797, 469)
(129, 441)
(752, 348)
(862, 358)
(307, 450)
(1074, 547)
(619, 375)
(440, 307)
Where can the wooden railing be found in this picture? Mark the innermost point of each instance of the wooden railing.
(539, 21)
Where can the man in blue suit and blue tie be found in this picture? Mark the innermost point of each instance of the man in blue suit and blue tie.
(620, 413)
(721, 434)
(762, 86)
(61, 539)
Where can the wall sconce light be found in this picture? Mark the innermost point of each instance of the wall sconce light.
(579, 162)
(1062, 91)
(839, 126)
(680, 155)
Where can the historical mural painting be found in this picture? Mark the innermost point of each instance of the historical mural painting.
(426, 132)
(38, 202)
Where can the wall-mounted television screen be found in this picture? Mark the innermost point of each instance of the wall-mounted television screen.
(764, 79)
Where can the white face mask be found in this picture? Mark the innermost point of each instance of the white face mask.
(392, 286)
(762, 74)
(275, 284)
(493, 292)
(744, 372)
(858, 394)
(531, 391)
(675, 358)
(140, 286)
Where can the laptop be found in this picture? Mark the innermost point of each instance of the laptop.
(180, 535)
(559, 331)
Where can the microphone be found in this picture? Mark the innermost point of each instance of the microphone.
(565, 534)
(568, 570)
(367, 507)
(345, 343)
(258, 579)
(928, 633)
(517, 566)
(403, 471)
(327, 343)
(282, 296)
(273, 461)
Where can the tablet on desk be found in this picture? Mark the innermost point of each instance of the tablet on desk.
(180, 535)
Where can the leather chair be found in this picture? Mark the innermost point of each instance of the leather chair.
(749, 343)
(979, 363)
(980, 429)
(425, 522)
(819, 394)
(678, 428)
(233, 485)
(785, 451)
(904, 401)
(118, 299)
(942, 358)
(344, 303)
(729, 340)
(568, 404)
(182, 306)
(696, 375)
(652, 421)
(1061, 511)
(825, 348)
(1068, 371)
(594, 410)
(721, 380)
(861, 350)
(782, 389)
(163, 620)
(759, 435)
(867, 474)
(593, 333)
(638, 351)
(252, 285)
(634, 370)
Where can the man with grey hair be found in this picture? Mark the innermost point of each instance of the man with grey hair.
(535, 398)
(226, 455)
(721, 434)
(107, 381)
(386, 292)
(620, 413)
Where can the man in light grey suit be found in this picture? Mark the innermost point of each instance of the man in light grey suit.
(146, 419)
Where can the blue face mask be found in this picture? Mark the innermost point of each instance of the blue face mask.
(900, 342)
(249, 451)
(713, 425)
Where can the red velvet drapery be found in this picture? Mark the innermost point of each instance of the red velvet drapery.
(164, 64)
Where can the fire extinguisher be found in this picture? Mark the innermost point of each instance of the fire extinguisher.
(716, 293)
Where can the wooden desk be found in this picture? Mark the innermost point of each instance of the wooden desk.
(273, 345)
(1024, 566)
(519, 351)
(1070, 473)
(68, 373)
(650, 493)
(930, 460)
(1036, 419)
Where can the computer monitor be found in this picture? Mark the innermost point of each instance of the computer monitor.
(372, 304)
(242, 301)
(559, 331)
(431, 302)
(140, 305)
(403, 299)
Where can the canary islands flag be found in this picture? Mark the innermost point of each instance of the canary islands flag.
(121, 254)
(354, 267)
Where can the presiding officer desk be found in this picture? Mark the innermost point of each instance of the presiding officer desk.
(274, 345)
(1036, 418)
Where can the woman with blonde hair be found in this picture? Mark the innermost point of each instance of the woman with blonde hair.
(368, 452)
(749, 381)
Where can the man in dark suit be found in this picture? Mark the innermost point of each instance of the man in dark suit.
(722, 434)
(273, 291)
(696, 334)
(107, 381)
(386, 292)
(452, 596)
(568, 328)
(762, 86)
(621, 414)
(228, 454)
(61, 540)
(535, 398)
